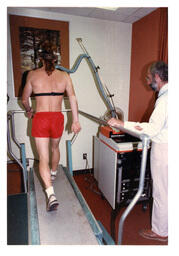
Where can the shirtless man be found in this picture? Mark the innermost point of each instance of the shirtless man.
(48, 86)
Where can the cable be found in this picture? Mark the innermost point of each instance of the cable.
(91, 181)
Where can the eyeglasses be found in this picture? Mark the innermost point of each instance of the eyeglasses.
(147, 78)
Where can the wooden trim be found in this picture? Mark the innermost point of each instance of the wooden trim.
(15, 23)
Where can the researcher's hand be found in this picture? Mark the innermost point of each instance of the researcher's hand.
(138, 128)
(115, 122)
(75, 127)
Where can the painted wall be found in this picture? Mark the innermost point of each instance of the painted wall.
(145, 49)
(109, 45)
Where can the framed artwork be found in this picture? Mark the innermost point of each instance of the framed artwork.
(26, 35)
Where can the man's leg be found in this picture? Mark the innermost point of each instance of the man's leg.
(55, 155)
(159, 171)
(42, 145)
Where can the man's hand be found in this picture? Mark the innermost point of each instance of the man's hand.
(115, 122)
(75, 127)
(30, 114)
(138, 128)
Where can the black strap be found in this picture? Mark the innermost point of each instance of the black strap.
(49, 94)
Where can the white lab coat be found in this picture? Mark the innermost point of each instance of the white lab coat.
(157, 129)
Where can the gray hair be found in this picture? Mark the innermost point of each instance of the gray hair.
(160, 68)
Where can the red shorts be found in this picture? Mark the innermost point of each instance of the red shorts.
(47, 125)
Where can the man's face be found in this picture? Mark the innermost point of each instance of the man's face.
(151, 81)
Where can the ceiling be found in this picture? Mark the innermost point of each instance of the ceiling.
(122, 14)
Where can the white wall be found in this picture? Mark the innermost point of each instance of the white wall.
(109, 45)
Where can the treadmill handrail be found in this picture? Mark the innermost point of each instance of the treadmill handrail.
(121, 128)
(10, 117)
(145, 145)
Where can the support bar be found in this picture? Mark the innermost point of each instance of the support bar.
(23, 155)
(75, 66)
(22, 149)
(79, 40)
(145, 144)
(11, 112)
(69, 155)
(103, 122)
(95, 70)
(94, 118)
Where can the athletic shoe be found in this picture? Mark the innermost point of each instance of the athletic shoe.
(52, 203)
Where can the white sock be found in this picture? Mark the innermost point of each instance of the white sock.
(53, 172)
(49, 191)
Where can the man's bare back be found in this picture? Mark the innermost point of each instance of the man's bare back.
(38, 81)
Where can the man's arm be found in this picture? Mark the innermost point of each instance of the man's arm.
(26, 95)
(74, 105)
(153, 127)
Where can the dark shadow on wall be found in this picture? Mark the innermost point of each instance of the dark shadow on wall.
(151, 103)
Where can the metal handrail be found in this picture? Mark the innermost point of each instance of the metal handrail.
(11, 114)
(145, 145)
(10, 117)
(9, 145)
(104, 122)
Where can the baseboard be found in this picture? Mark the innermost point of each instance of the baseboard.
(83, 171)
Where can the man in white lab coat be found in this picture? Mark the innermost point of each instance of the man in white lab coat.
(157, 129)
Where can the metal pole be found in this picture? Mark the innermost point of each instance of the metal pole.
(13, 130)
(22, 165)
(104, 122)
(100, 84)
(70, 167)
(9, 148)
(95, 70)
(79, 40)
(75, 66)
(145, 144)
(23, 154)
